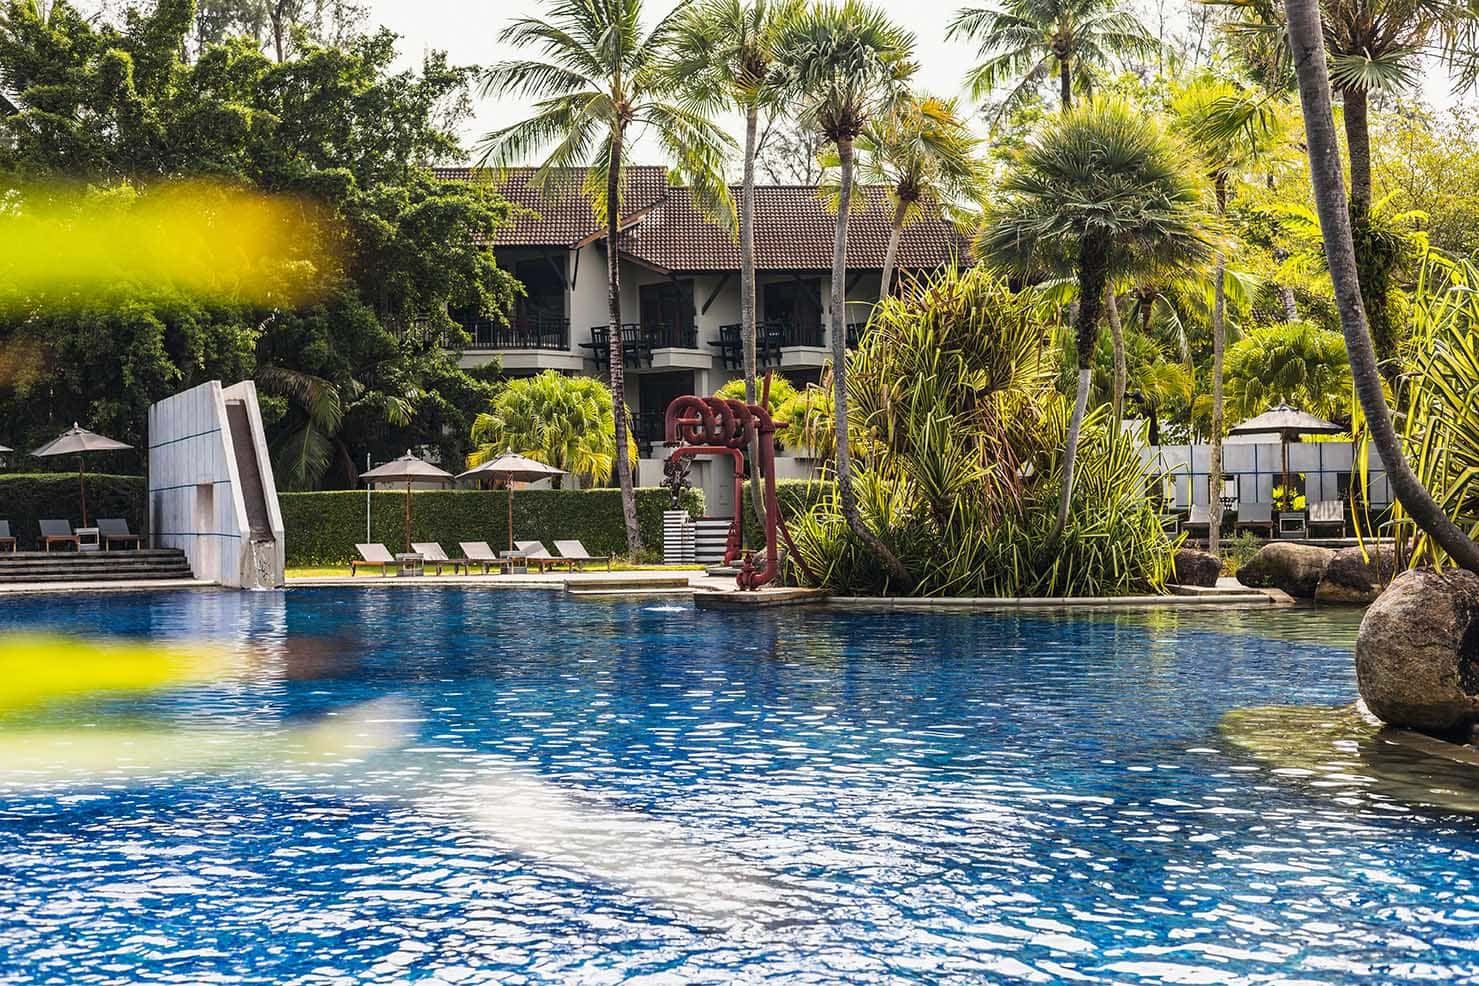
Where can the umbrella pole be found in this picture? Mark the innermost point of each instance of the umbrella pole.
(1288, 494)
(82, 487)
(510, 483)
(408, 516)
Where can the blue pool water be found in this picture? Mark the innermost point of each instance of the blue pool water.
(596, 793)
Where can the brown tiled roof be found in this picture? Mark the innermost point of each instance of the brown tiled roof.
(560, 215)
(793, 231)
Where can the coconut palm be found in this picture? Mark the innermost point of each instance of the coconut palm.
(561, 421)
(1233, 128)
(596, 86)
(846, 65)
(309, 450)
(723, 55)
(925, 155)
(1024, 42)
(1100, 190)
(1308, 51)
(1292, 363)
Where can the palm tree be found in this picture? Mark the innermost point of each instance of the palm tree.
(1024, 42)
(561, 421)
(309, 449)
(1293, 363)
(846, 65)
(1100, 190)
(924, 154)
(1233, 128)
(723, 55)
(1308, 51)
(598, 85)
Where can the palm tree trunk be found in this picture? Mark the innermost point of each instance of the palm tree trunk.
(1358, 143)
(1214, 450)
(845, 495)
(1308, 48)
(1093, 274)
(1121, 372)
(1065, 84)
(892, 251)
(615, 351)
(747, 299)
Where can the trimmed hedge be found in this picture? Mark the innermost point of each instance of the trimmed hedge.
(323, 528)
(796, 497)
(25, 498)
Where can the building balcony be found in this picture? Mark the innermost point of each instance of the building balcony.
(538, 332)
(648, 344)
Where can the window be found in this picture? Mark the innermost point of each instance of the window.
(667, 313)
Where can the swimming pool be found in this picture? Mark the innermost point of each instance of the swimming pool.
(597, 793)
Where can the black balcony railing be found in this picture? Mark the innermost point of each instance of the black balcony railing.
(667, 335)
(638, 340)
(648, 430)
(770, 338)
(522, 332)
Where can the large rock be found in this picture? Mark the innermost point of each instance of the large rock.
(1193, 567)
(1295, 568)
(1353, 578)
(1417, 655)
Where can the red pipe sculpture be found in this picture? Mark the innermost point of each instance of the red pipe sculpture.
(717, 426)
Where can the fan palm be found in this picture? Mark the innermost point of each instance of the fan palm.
(597, 85)
(1233, 128)
(1024, 42)
(1308, 50)
(925, 155)
(1102, 189)
(723, 56)
(561, 421)
(846, 65)
(1292, 363)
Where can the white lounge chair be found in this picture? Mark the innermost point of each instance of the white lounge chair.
(372, 556)
(7, 540)
(539, 555)
(1256, 516)
(479, 553)
(432, 554)
(1201, 517)
(114, 530)
(576, 552)
(1327, 513)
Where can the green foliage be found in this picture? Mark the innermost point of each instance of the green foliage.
(781, 392)
(959, 434)
(1237, 549)
(323, 528)
(565, 422)
(1291, 363)
(120, 108)
(797, 497)
(26, 498)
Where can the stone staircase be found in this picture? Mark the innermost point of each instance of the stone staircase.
(32, 567)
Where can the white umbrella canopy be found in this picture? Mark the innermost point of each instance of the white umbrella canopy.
(77, 440)
(512, 468)
(407, 469)
(1288, 423)
(5, 448)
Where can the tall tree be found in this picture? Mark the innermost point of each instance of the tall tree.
(925, 155)
(1232, 128)
(1027, 42)
(724, 56)
(846, 65)
(1307, 48)
(1102, 189)
(598, 84)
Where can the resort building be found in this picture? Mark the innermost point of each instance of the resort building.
(680, 284)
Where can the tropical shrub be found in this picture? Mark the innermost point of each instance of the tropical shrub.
(959, 433)
(561, 421)
(1292, 363)
(781, 392)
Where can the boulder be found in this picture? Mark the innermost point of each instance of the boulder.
(1193, 567)
(1354, 579)
(1295, 568)
(1417, 654)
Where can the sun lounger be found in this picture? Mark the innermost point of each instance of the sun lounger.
(58, 532)
(433, 555)
(1200, 519)
(1256, 516)
(115, 530)
(1327, 514)
(479, 553)
(7, 540)
(576, 551)
(373, 556)
(537, 553)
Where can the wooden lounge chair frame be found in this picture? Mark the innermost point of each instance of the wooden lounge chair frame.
(47, 540)
(479, 553)
(433, 555)
(1321, 506)
(575, 551)
(1265, 524)
(539, 555)
(366, 550)
(1200, 516)
(111, 529)
(7, 540)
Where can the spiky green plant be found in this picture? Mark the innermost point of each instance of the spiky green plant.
(561, 421)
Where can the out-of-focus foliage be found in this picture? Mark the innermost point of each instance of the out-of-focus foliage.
(959, 436)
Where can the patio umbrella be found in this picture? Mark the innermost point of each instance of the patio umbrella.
(407, 469)
(78, 441)
(1288, 423)
(512, 469)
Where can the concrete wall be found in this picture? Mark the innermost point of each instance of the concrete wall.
(195, 497)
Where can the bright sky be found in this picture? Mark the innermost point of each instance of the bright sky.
(468, 30)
